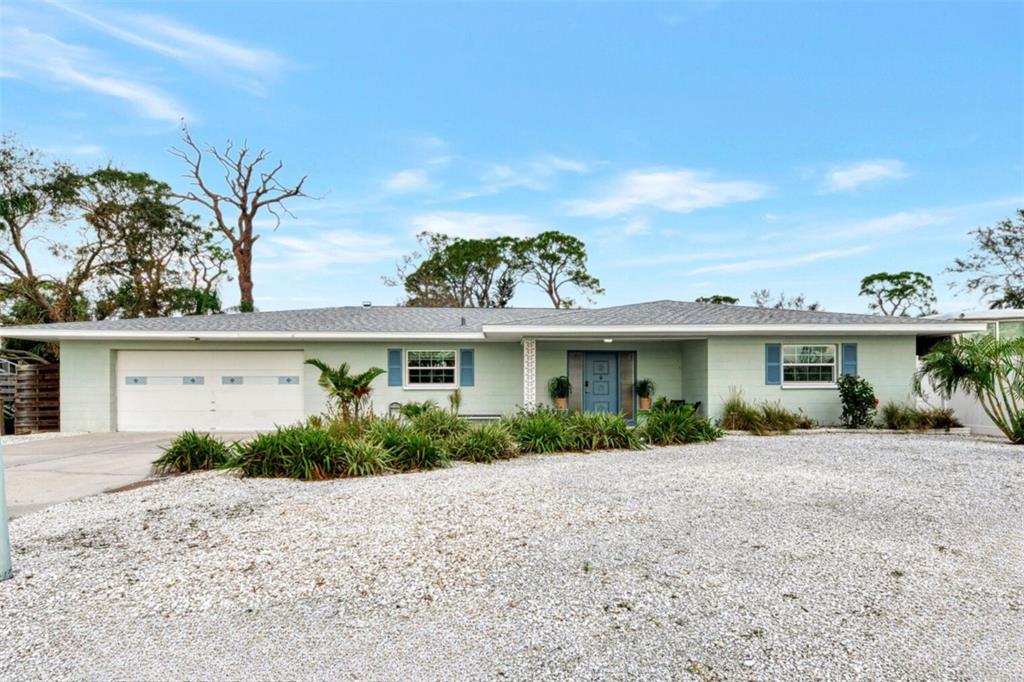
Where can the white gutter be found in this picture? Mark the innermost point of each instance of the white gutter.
(144, 335)
(683, 330)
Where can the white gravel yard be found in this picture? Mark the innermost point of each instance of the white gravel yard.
(826, 556)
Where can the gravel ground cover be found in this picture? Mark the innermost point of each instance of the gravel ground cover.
(32, 437)
(822, 556)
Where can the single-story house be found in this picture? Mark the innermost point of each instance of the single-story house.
(247, 371)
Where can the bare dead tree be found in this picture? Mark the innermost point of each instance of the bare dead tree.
(252, 188)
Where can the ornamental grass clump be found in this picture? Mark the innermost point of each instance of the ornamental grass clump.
(300, 452)
(904, 417)
(193, 451)
(485, 444)
(409, 449)
(668, 424)
(765, 419)
(541, 430)
(439, 423)
(599, 431)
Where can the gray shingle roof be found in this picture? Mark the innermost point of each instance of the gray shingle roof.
(388, 319)
(383, 319)
(687, 313)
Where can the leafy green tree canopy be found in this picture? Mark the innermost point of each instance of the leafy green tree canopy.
(995, 266)
(764, 298)
(899, 294)
(720, 299)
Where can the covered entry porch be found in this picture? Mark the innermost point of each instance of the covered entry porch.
(603, 372)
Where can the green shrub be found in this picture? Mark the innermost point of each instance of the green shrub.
(600, 431)
(904, 417)
(484, 444)
(192, 451)
(541, 430)
(439, 423)
(859, 402)
(292, 452)
(352, 428)
(409, 448)
(764, 419)
(413, 410)
(363, 458)
(676, 425)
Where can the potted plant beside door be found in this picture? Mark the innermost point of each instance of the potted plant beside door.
(559, 388)
(645, 391)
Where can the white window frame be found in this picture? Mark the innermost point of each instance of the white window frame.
(809, 384)
(428, 387)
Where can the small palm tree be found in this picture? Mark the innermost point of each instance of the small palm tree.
(347, 391)
(990, 369)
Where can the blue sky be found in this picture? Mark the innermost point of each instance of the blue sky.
(696, 148)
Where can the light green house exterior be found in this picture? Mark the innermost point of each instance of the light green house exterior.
(698, 353)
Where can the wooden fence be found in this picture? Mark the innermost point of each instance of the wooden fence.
(36, 398)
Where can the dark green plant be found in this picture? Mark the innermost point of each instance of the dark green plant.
(559, 387)
(645, 388)
(676, 425)
(538, 431)
(484, 444)
(439, 424)
(989, 369)
(600, 431)
(192, 451)
(299, 452)
(859, 402)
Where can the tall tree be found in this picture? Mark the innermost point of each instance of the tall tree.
(36, 201)
(764, 298)
(158, 260)
(554, 261)
(252, 189)
(898, 294)
(995, 266)
(461, 273)
(720, 299)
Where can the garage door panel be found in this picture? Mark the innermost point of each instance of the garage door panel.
(208, 390)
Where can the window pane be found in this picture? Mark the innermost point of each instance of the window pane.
(431, 367)
(1011, 330)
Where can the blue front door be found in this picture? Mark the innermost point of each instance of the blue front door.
(601, 382)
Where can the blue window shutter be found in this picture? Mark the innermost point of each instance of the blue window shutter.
(466, 367)
(850, 358)
(773, 363)
(394, 366)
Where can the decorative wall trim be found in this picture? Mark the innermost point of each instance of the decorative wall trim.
(529, 372)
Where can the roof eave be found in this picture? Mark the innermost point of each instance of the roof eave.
(143, 335)
(701, 330)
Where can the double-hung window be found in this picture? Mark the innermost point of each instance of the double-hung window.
(430, 368)
(808, 364)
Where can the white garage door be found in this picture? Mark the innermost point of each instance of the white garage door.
(208, 390)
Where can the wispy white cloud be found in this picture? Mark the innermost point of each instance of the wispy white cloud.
(676, 191)
(33, 54)
(537, 174)
(327, 248)
(774, 263)
(241, 65)
(409, 180)
(842, 178)
(475, 225)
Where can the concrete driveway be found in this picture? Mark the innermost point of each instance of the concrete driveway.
(46, 472)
